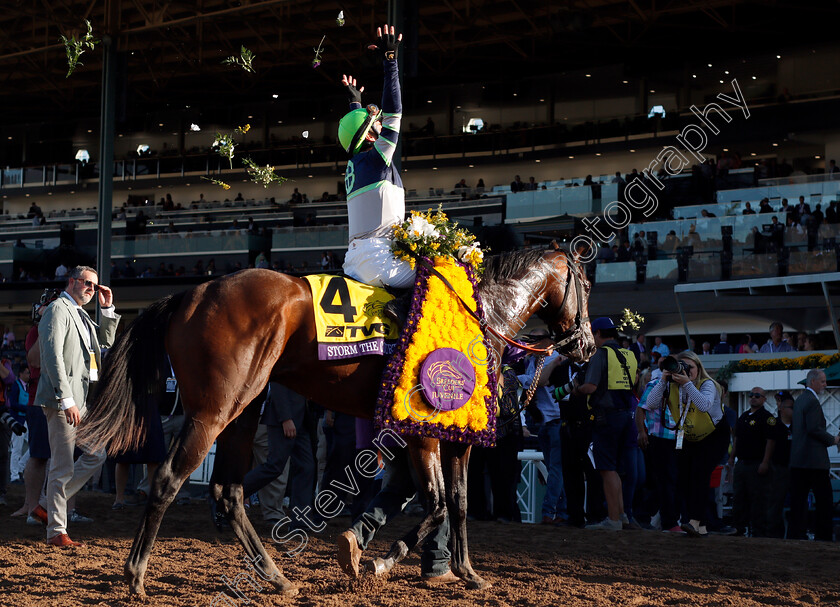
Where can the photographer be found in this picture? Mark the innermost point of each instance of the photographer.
(575, 438)
(657, 437)
(694, 401)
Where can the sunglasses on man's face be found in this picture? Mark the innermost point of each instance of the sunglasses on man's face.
(89, 284)
(756, 395)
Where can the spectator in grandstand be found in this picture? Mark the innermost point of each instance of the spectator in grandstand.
(748, 209)
(695, 398)
(707, 349)
(588, 180)
(34, 210)
(832, 169)
(776, 238)
(802, 211)
(786, 209)
(624, 252)
(531, 185)
(660, 347)
(61, 272)
(705, 213)
(800, 341)
(479, 187)
(810, 343)
(462, 185)
(639, 244)
(809, 463)
(817, 217)
(516, 185)
(723, 347)
(832, 213)
(671, 242)
(755, 439)
(639, 349)
(764, 206)
(748, 346)
(779, 468)
(9, 338)
(776, 343)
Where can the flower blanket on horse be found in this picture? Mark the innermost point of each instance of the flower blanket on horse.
(438, 383)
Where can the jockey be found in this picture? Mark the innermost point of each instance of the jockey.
(375, 195)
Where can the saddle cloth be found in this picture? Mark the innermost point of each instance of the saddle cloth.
(349, 319)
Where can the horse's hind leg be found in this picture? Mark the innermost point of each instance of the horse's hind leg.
(455, 458)
(425, 458)
(189, 449)
(233, 460)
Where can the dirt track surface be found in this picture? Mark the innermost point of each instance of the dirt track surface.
(527, 565)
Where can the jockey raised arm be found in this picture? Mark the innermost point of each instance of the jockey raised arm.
(375, 195)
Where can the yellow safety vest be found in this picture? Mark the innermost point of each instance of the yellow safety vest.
(698, 424)
(617, 378)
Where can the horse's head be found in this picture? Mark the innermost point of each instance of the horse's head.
(550, 284)
(566, 311)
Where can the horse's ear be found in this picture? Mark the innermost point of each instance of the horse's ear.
(555, 246)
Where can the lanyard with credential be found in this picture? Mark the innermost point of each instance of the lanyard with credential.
(172, 386)
(684, 407)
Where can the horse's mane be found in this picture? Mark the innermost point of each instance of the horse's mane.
(511, 264)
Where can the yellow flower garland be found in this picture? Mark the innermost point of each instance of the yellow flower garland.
(444, 324)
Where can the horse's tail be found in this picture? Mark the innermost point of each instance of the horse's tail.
(131, 384)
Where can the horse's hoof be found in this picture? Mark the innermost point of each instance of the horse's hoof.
(290, 591)
(349, 554)
(377, 567)
(478, 583)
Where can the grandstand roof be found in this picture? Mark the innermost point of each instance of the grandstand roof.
(172, 51)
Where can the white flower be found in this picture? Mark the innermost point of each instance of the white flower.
(420, 227)
(473, 250)
(195, 127)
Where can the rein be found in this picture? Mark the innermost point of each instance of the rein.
(560, 341)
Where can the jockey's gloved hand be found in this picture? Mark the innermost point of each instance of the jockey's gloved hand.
(387, 43)
(354, 93)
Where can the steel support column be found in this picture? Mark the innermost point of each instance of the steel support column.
(106, 159)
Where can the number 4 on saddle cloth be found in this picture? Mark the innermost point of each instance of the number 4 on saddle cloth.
(439, 380)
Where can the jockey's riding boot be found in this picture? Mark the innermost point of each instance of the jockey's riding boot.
(397, 308)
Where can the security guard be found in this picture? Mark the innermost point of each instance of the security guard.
(780, 466)
(609, 384)
(755, 439)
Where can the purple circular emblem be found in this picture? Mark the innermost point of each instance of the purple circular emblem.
(447, 378)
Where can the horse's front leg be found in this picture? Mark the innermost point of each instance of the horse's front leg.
(455, 457)
(425, 458)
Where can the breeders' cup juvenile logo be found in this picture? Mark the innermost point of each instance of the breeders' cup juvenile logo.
(447, 379)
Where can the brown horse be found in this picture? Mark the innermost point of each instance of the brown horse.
(226, 339)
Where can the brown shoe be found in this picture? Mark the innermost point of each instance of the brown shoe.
(40, 514)
(442, 580)
(63, 541)
(349, 553)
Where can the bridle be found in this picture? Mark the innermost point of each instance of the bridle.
(574, 333)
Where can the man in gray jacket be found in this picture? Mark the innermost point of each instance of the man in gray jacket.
(70, 344)
(809, 461)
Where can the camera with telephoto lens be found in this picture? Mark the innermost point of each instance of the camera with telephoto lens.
(47, 297)
(561, 374)
(672, 365)
(8, 421)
